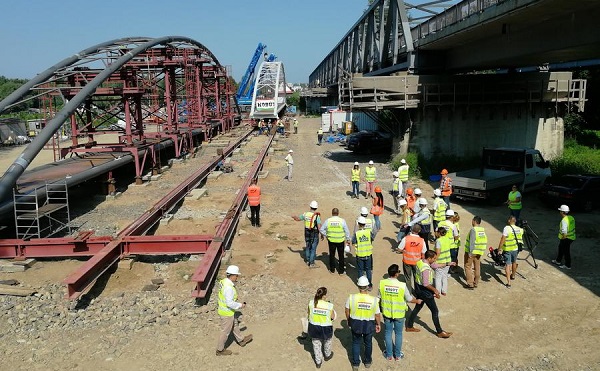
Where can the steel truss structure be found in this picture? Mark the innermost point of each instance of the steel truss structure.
(269, 96)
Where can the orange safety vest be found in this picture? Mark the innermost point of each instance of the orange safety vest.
(376, 209)
(412, 249)
(446, 186)
(254, 195)
(410, 202)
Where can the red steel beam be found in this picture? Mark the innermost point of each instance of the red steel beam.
(51, 247)
(206, 271)
(165, 245)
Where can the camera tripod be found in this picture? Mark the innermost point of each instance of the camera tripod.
(530, 240)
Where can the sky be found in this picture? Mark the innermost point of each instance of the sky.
(36, 34)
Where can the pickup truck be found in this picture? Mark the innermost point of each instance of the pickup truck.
(500, 169)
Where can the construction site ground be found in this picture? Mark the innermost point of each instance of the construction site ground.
(548, 320)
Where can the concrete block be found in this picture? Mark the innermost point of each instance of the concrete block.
(195, 194)
(178, 160)
(126, 264)
(217, 143)
(166, 219)
(115, 196)
(26, 263)
(146, 178)
(156, 177)
(271, 150)
(157, 281)
(227, 161)
(243, 175)
(214, 174)
(263, 174)
(165, 168)
(150, 288)
(11, 268)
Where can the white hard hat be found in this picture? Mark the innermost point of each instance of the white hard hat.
(422, 201)
(371, 162)
(402, 202)
(418, 191)
(362, 220)
(437, 192)
(403, 161)
(355, 163)
(291, 151)
(233, 269)
(395, 174)
(564, 208)
(449, 212)
(364, 211)
(314, 205)
(363, 281)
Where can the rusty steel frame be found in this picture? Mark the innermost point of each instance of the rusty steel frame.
(112, 252)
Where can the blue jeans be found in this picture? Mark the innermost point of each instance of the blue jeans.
(447, 201)
(516, 213)
(367, 339)
(396, 326)
(377, 222)
(364, 266)
(311, 237)
(355, 188)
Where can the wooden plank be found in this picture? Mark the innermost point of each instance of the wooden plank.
(16, 291)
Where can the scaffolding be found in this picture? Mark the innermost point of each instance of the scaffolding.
(42, 212)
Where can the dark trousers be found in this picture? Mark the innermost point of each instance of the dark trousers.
(357, 341)
(564, 250)
(428, 300)
(410, 275)
(339, 246)
(425, 236)
(255, 215)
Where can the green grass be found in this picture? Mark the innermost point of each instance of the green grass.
(577, 158)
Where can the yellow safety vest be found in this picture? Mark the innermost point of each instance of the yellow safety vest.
(444, 255)
(510, 243)
(309, 222)
(320, 132)
(427, 220)
(362, 307)
(422, 267)
(512, 196)
(396, 184)
(456, 244)
(321, 314)
(392, 298)
(224, 310)
(403, 173)
(370, 173)
(449, 231)
(480, 245)
(335, 229)
(570, 227)
(440, 211)
(364, 245)
(356, 175)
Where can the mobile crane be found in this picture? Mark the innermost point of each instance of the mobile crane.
(246, 88)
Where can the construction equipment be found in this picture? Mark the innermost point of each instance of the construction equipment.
(246, 88)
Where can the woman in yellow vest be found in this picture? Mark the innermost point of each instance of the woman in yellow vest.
(320, 326)
(514, 202)
(355, 177)
(443, 262)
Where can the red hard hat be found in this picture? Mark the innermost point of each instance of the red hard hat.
(444, 172)
(378, 189)
(409, 191)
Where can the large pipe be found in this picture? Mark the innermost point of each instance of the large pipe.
(13, 173)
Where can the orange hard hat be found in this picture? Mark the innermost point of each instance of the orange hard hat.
(444, 172)
(409, 191)
(378, 189)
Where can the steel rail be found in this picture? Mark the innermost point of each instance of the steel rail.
(206, 271)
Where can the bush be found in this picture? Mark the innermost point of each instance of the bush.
(576, 159)
(412, 159)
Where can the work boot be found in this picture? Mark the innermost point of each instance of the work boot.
(224, 352)
(246, 340)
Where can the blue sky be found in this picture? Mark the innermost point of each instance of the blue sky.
(36, 34)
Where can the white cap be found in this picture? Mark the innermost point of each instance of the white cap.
(437, 192)
(355, 163)
(402, 202)
(422, 201)
(233, 269)
(371, 162)
(314, 205)
(449, 212)
(291, 151)
(564, 208)
(403, 161)
(364, 211)
(362, 220)
(363, 281)
(395, 174)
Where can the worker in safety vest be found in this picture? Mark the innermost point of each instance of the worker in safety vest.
(355, 178)
(427, 293)
(370, 177)
(443, 262)
(393, 299)
(369, 222)
(416, 206)
(411, 200)
(424, 219)
(452, 235)
(254, 202)
(228, 310)
(336, 231)
(280, 127)
(312, 223)
(475, 247)
(363, 243)
(509, 246)
(454, 248)
(405, 218)
(396, 190)
(566, 236)
(403, 175)
(295, 126)
(446, 187)
(320, 325)
(514, 202)
(412, 248)
(319, 136)
(364, 319)
(439, 208)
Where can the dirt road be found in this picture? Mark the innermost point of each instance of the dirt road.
(548, 320)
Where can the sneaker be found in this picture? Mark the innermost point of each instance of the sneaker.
(556, 262)
(367, 365)
(354, 368)
(224, 352)
(246, 340)
(399, 358)
(564, 267)
(328, 358)
(313, 265)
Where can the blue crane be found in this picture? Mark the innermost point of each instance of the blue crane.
(246, 88)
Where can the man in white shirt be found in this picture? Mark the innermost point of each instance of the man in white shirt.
(289, 160)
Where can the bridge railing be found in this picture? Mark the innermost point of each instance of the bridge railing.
(452, 15)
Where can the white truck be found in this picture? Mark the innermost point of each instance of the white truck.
(500, 169)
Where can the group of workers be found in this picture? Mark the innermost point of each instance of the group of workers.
(425, 270)
(265, 127)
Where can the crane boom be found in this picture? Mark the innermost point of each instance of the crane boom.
(244, 93)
